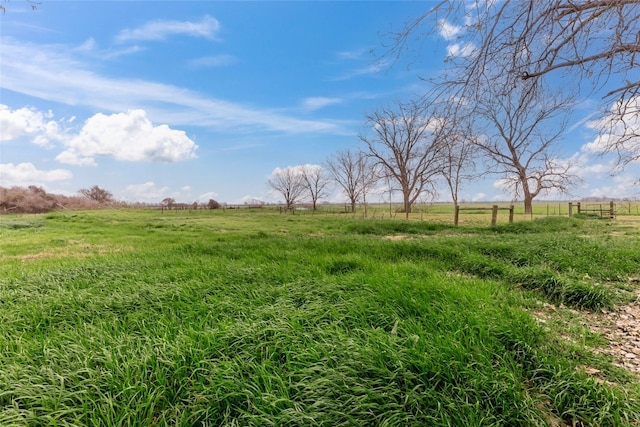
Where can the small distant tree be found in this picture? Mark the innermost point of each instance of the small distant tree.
(354, 172)
(168, 202)
(459, 152)
(403, 144)
(97, 194)
(316, 181)
(289, 182)
(213, 204)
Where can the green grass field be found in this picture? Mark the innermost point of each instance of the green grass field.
(254, 318)
(475, 213)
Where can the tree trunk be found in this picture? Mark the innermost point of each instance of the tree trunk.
(407, 205)
(528, 202)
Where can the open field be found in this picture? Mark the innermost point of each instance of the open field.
(473, 213)
(251, 317)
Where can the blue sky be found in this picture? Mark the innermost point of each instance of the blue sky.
(199, 100)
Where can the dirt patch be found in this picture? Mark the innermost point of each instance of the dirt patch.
(72, 249)
(621, 328)
(395, 237)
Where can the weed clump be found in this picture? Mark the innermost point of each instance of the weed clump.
(20, 224)
(540, 225)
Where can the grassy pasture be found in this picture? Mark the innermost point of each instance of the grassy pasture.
(475, 213)
(250, 317)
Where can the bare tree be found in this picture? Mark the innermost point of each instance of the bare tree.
(592, 44)
(459, 152)
(97, 194)
(519, 128)
(459, 166)
(405, 147)
(168, 202)
(316, 182)
(289, 182)
(354, 173)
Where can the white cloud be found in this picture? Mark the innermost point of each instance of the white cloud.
(213, 61)
(294, 170)
(447, 30)
(161, 29)
(28, 122)
(24, 174)
(595, 173)
(127, 136)
(619, 186)
(463, 50)
(502, 184)
(252, 200)
(147, 191)
(478, 197)
(51, 72)
(451, 32)
(622, 132)
(69, 157)
(315, 103)
(203, 198)
(583, 165)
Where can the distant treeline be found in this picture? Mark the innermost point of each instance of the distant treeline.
(34, 199)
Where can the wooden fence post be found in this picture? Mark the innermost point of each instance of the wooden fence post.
(511, 214)
(494, 215)
(456, 215)
(612, 210)
(578, 207)
(570, 209)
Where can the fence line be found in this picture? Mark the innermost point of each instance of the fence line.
(494, 213)
(608, 211)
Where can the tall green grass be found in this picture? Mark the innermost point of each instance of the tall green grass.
(138, 318)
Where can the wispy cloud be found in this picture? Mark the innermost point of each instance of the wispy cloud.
(317, 102)
(362, 61)
(213, 61)
(370, 69)
(90, 48)
(52, 73)
(356, 54)
(208, 27)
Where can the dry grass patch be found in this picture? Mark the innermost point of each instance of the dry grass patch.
(72, 249)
